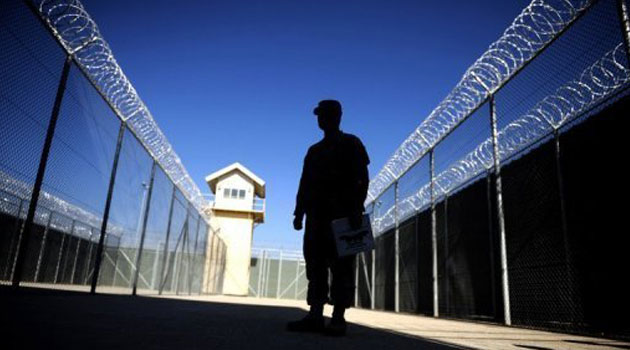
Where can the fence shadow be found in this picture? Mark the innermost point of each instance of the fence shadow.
(37, 318)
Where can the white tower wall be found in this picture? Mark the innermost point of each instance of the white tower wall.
(234, 216)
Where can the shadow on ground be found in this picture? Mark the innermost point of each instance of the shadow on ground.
(48, 319)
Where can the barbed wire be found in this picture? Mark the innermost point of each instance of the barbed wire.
(532, 29)
(49, 203)
(80, 36)
(596, 83)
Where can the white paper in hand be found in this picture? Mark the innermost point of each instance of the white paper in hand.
(349, 241)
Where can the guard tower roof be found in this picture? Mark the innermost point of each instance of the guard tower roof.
(259, 184)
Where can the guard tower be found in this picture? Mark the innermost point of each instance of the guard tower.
(237, 207)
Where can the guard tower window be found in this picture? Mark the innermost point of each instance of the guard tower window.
(233, 193)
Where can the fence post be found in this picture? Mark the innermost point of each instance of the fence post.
(261, 265)
(445, 275)
(178, 266)
(622, 10)
(76, 258)
(193, 257)
(116, 273)
(356, 280)
(22, 243)
(279, 276)
(492, 246)
(416, 255)
(145, 218)
(168, 234)
(156, 258)
(565, 230)
(373, 263)
(59, 257)
(64, 268)
(10, 263)
(108, 203)
(267, 271)
(500, 214)
(42, 247)
(263, 281)
(373, 281)
(396, 251)
(86, 272)
(214, 261)
(297, 276)
(436, 309)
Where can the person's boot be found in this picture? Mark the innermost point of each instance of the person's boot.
(313, 322)
(337, 326)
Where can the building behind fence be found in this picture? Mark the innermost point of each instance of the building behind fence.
(92, 195)
(505, 204)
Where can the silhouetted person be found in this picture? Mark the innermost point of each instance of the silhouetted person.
(333, 185)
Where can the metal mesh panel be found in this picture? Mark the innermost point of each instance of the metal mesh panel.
(35, 242)
(470, 288)
(11, 222)
(534, 28)
(442, 253)
(579, 69)
(408, 266)
(51, 252)
(76, 180)
(152, 259)
(82, 152)
(596, 218)
(424, 263)
(63, 237)
(464, 154)
(277, 273)
(384, 284)
(197, 258)
(383, 215)
(365, 280)
(559, 272)
(184, 282)
(126, 215)
(271, 278)
(79, 35)
(414, 191)
(175, 244)
(540, 280)
(30, 71)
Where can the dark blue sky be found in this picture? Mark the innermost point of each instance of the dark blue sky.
(237, 80)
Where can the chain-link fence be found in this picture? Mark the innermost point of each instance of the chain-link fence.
(506, 203)
(89, 199)
(277, 273)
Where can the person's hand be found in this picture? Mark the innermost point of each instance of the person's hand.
(356, 220)
(297, 222)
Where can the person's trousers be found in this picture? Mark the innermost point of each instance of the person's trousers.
(321, 257)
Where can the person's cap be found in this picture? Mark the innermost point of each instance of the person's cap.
(330, 106)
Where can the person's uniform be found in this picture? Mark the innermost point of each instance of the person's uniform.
(333, 185)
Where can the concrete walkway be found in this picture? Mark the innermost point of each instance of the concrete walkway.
(456, 334)
(33, 318)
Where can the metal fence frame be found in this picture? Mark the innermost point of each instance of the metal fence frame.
(494, 170)
(260, 279)
(28, 224)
